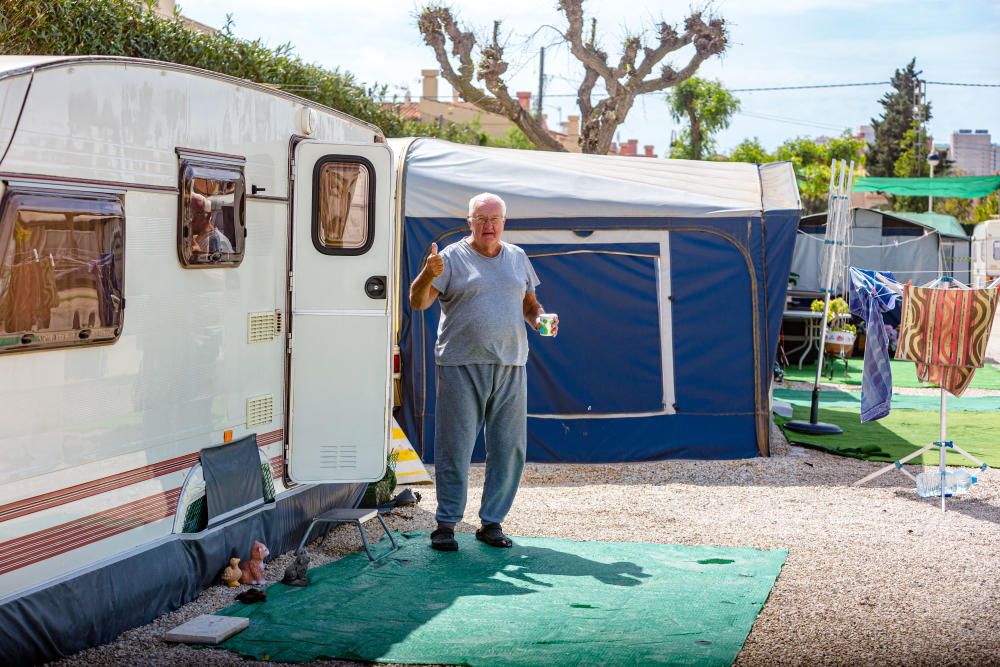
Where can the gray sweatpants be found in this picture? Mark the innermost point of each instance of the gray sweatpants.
(469, 398)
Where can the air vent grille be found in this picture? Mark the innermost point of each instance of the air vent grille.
(260, 410)
(338, 457)
(262, 327)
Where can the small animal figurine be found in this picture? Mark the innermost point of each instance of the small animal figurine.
(295, 574)
(232, 574)
(253, 571)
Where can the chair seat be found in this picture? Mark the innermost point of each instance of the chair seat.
(345, 514)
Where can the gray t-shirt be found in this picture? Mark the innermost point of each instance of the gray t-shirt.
(482, 315)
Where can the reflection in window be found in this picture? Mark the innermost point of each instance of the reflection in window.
(343, 205)
(996, 250)
(61, 269)
(212, 224)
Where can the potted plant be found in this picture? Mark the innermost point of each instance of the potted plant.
(840, 340)
(841, 334)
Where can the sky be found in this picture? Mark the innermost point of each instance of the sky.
(772, 43)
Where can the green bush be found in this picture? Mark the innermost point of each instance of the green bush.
(132, 29)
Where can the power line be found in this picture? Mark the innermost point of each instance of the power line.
(971, 85)
(810, 87)
(817, 86)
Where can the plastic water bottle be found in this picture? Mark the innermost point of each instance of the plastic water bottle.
(955, 482)
(962, 481)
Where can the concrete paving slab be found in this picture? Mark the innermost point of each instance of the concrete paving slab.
(207, 629)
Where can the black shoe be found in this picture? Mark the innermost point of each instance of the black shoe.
(492, 534)
(443, 539)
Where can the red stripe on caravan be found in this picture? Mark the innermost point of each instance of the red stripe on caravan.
(111, 482)
(77, 527)
(88, 534)
(38, 546)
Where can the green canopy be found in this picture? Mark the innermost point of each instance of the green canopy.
(965, 187)
(946, 225)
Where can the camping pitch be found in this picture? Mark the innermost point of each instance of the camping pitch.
(669, 278)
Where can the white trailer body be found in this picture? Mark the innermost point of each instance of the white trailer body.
(186, 260)
(985, 252)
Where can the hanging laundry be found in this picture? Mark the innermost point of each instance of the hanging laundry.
(873, 293)
(944, 331)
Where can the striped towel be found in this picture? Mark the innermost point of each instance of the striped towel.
(944, 331)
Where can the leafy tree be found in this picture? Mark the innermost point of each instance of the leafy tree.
(133, 29)
(896, 120)
(750, 150)
(707, 107)
(988, 207)
(466, 63)
(811, 161)
(961, 209)
(515, 138)
(911, 163)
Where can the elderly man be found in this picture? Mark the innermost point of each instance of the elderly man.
(486, 288)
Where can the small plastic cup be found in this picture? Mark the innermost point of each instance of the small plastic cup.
(546, 322)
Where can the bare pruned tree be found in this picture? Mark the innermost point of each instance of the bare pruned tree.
(482, 83)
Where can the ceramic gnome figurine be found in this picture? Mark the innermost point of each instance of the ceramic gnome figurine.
(231, 575)
(295, 574)
(253, 570)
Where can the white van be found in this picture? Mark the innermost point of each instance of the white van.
(194, 334)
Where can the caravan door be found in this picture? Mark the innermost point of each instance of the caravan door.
(339, 330)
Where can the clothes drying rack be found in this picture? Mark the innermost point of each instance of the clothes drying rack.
(943, 444)
(838, 225)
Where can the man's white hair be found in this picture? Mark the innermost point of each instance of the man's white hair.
(484, 197)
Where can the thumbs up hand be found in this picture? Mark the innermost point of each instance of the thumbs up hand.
(435, 262)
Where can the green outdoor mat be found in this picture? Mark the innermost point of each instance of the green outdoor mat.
(543, 602)
(903, 432)
(904, 374)
(851, 400)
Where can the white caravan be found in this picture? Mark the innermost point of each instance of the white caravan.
(186, 260)
(985, 252)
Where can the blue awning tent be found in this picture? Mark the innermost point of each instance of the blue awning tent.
(669, 277)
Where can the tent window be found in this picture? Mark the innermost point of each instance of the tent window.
(211, 219)
(61, 269)
(343, 205)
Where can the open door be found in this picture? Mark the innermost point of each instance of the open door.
(340, 328)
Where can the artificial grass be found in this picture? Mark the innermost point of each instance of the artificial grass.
(542, 602)
(904, 374)
(851, 400)
(903, 432)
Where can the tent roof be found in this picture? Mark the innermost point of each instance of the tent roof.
(441, 177)
(947, 225)
(966, 187)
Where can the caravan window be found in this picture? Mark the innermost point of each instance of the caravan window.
(211, 220)
(343, 205)
(61, 269)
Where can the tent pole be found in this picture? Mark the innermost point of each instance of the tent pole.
(941, 445)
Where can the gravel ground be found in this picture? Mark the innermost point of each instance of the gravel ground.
(875, 575)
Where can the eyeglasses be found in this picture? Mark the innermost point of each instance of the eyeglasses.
(482, 219)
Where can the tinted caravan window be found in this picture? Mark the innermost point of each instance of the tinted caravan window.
(344, 211)
(211, 218)
(61, 269)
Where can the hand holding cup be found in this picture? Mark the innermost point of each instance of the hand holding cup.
(435, 262)
(547, 324)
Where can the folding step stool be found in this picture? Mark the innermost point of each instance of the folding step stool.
(358, 517)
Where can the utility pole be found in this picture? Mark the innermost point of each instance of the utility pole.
(541, 82)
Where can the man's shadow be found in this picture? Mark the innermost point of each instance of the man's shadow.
(359, 610)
